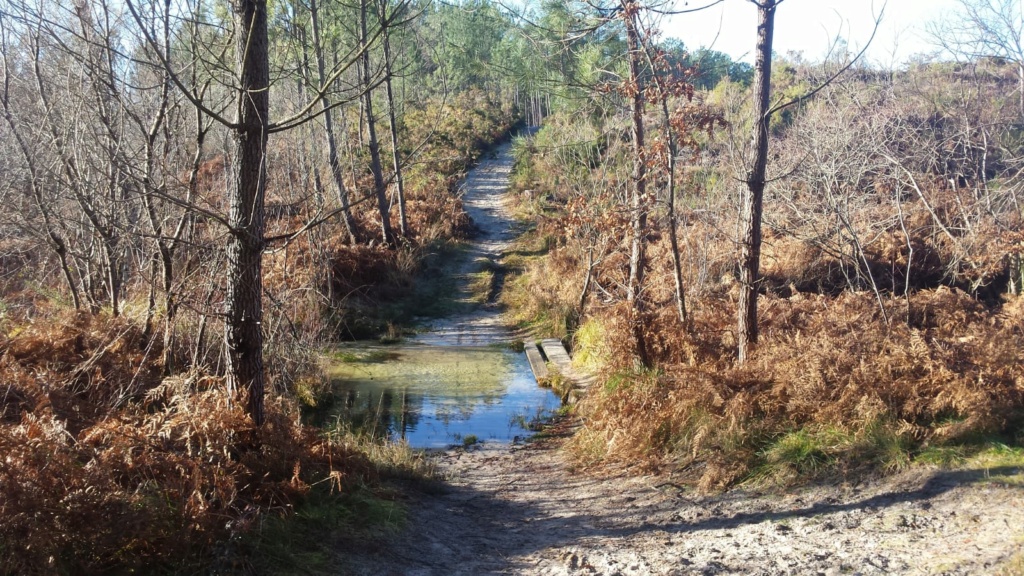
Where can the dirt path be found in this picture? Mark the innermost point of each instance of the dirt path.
(522, 510)
(525, 510)
(483, 198)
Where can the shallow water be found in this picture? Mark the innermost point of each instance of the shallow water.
(435, 396)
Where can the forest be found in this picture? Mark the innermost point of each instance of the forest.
(777, 273)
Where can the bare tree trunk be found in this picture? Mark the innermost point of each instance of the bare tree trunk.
(1016, 267)
(750, 244)
(638, 209)
(69, 169)
(673, 229)
(332, 144)
(167, 251)
(243, 301)
(371, 130)
(56, 241)
(581, 302)
(403, 225)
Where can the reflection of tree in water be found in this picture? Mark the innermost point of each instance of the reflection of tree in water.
(463, 409)
(397, 412)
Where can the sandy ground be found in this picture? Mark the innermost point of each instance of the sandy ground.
(525, 510)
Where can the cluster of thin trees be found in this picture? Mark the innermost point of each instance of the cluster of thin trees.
(144, 141)
(898, 179)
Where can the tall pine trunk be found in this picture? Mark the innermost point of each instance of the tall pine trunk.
(243, 301)
(403, 224)
(332, 143)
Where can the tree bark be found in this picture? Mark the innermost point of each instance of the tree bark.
(371, 133)
(1020, 88)
(243, 301)
(750, 244)
(638, 200)
(332, 144)
(403, 225)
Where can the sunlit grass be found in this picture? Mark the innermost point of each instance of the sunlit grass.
(480, 286)
(813, 451)
(590, 347)
(1002, 463)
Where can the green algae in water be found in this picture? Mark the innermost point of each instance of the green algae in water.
(433, 396)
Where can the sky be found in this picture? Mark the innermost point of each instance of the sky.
(809, 26)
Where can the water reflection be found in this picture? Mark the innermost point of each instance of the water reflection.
(435, 396)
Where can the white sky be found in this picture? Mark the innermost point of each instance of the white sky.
(810, 25)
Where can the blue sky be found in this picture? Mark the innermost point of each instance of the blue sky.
(809, 26)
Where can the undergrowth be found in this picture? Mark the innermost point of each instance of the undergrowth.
(835, 387)
(108, 466)
(308, 540)
(804, 407)
(119, 458)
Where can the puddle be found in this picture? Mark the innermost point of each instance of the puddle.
(435, 396)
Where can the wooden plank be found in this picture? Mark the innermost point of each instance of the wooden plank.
(537, 364)
(557, 355)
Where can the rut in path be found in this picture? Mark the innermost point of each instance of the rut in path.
(525, 510)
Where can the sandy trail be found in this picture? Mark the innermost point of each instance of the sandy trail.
(525, 510)
(483, 198)
(522, 510)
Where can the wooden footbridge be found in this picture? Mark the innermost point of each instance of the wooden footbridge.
(550, 362)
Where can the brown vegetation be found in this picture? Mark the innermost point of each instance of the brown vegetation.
(888, 322)
(108, 466)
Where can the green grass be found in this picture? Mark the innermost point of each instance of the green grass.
(432, 292)
(885, 446)
(988, 454)
(1003, 464)
(559, 384)
(942, 456)
(589, 346)
(811, 452)
(802, 451)
(614, 382)
(879, 445)
(481, 286)
(530, 305)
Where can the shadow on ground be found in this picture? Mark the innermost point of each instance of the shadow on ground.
(540, 518)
